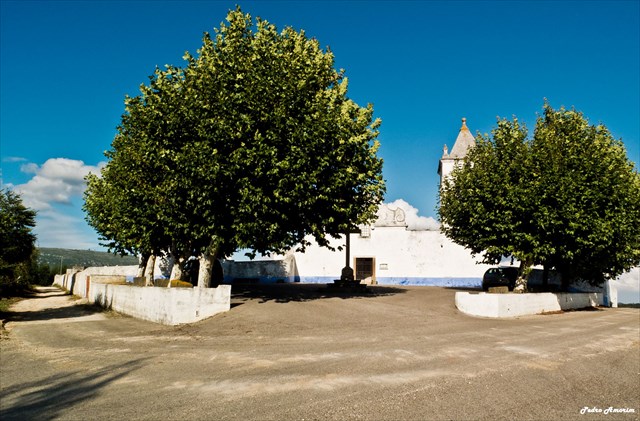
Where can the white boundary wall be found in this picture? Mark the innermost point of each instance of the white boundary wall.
(512, 305)
(76, 281)
(169, 306)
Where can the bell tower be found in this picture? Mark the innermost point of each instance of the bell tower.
(450, 160)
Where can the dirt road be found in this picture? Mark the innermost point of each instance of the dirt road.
(300, 352)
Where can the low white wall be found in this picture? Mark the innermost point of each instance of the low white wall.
(511, 305)
(275, 270)
(170, 306)
(75, 281)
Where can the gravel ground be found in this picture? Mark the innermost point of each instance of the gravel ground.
(302, 352)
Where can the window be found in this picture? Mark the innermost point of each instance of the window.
(365, 268)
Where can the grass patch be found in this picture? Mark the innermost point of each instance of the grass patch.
(5, 303)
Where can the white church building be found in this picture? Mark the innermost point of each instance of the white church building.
(389, 252)
(394, 251)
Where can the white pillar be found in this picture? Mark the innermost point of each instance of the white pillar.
(610, 294)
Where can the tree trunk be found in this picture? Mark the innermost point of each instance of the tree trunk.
(210, 271)
(148, 273)
(566, 277)
(521, 282)
(205, 271)
(177, 271)
(142, 264)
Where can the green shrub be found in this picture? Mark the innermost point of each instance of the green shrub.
(175, 283)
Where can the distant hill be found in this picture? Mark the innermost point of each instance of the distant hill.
(52, 256)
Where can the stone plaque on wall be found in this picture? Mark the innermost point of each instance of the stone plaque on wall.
(389, 217)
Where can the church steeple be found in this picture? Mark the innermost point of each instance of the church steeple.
(464, 141)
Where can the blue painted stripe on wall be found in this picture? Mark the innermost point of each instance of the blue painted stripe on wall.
(434, 282)
(267, 279)
(409, 281)
(318, 279)
(437, 282)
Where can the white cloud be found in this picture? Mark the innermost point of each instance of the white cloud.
(414, 221)
(628, 286)
(14, 159)
(58, 180)
(29, 168)
(630, 278)
(55, 192)
(57, 229)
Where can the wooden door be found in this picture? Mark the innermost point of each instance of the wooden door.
(365, 268)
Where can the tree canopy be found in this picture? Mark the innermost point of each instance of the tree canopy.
(587, 198)
(253, 144)
(17, 240)
(567, 199)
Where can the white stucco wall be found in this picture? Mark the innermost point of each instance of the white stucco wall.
(401, 257)
(278, 269)
(512, 305)
(170, 306)
(76, 281)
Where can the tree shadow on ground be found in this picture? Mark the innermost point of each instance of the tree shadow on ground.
(284, 293)
(39, 292)
(45, 399)
(68, 310)
(46, 292)
(470, 289)
(72, 311)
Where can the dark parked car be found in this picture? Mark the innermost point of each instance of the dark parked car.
(500, 277)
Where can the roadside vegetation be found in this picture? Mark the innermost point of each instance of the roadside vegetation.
(19, 268)
(59, 259)
(5, 303)
(22, 265)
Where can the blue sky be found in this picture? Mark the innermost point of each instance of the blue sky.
(66, 67)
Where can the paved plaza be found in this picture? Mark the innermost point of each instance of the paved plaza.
(302, 352)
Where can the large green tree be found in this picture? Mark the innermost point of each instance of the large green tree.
(17, 241)
(568, 199)
(254, 144)
(126, 203)
(587, 198)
